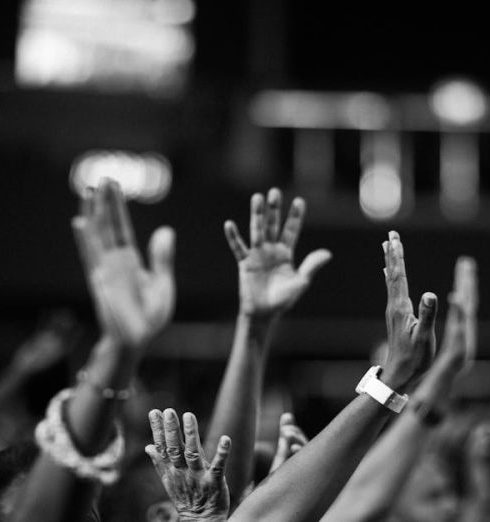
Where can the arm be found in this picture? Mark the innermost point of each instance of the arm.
(269, 285)
(132, 304)
(197, 489)
(305, 486)
(374, 487)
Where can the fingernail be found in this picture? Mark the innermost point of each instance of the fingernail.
(225, 442)
(187, 418)
(393, 235)
(429, 299)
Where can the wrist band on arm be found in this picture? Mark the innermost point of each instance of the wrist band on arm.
(53, 437)
(106, 393)
(380, 392)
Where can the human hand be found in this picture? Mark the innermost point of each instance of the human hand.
(411, 340)
(291, 440)
(269, 282)
(197, 489)
(456, 353)
(458, 348)
(133, 303)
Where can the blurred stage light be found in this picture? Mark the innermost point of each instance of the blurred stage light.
(366, 111)
(459, 102)
(123, 45)
(459, 176)
(146, 178)
(380, 191)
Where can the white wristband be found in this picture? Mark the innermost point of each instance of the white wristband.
(372, 386)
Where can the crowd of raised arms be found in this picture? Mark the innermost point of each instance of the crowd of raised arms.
(356, 469)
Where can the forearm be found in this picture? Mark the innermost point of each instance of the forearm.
(53, 493)
(236, 407)
(90, 417)
(375, 484)
(305, 485)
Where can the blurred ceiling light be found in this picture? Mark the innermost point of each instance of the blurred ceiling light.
(459, 102)
(459, 176)
(380, 191)
(148, 45)
(146, 178)
(293, 109)
(366, 111)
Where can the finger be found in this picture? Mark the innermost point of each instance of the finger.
(295, 448)
(465, 283)
(286, 419)
(218, 465)
(119, 214)
(294, 434)
(173, 438)
(87, 203)
(257, 208)
(395, 265)
(157, 430)
(313, 262)
(162, 250)
(159, 461)
(273, 215)
(454, 342)
(88, 244)
(193, 450)
(427, 313)
(294, 222)
(102, 217)
(235, 241)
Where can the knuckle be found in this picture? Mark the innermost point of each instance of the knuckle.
(192, 456)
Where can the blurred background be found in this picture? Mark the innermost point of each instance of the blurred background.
(379, 119)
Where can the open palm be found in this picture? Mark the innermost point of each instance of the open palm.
(197, 489)
(132, 302)
(269, 282)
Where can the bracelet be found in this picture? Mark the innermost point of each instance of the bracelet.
(53, 437)
(372, 386)
(107, 393)
(429, 415)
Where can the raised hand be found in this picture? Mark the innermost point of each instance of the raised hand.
(411, 340)
(132, 302)
(291, 440)
(269, 282)
(197, 489)
(458, 347)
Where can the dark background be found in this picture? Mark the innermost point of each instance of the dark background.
(241, 47)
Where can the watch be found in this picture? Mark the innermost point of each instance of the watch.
(372, 386)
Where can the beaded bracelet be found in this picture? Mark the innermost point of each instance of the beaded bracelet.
(53, 438)
(106, 393)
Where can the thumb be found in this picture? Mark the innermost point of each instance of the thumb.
(313, 262)
(427, 313)
(162, 250)
(157, 459)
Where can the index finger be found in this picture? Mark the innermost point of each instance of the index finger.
(396, 276)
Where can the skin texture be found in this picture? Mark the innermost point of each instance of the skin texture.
(305, 486)
(373, 489)
(197, 488)
(269, 284)
(132, 304)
